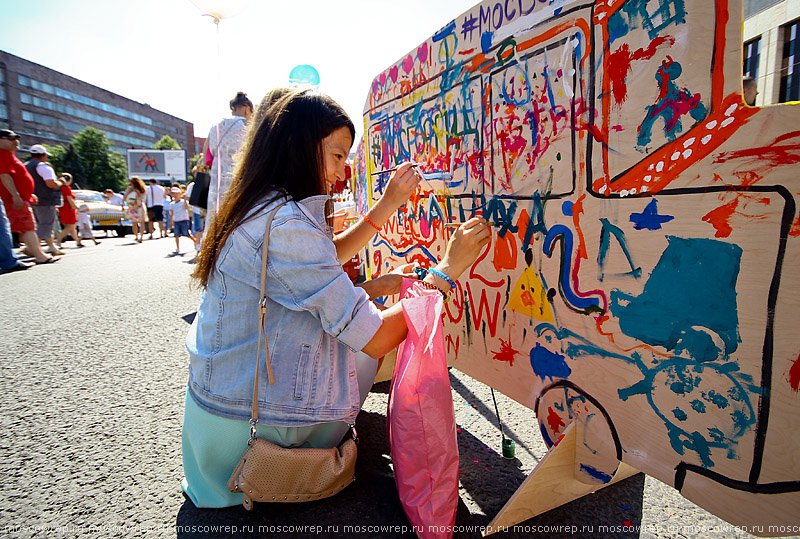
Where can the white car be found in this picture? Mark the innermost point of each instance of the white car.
(104, 216)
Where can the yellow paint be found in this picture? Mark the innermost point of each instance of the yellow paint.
(528, 297)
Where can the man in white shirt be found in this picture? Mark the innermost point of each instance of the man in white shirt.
(115, 199)
(154, 198)
(47, 188)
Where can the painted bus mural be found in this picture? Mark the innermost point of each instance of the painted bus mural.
(642, 284)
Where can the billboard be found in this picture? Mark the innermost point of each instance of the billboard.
(161, 165)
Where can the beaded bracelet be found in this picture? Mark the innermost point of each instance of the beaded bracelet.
(438, 273)
(421, 272)
(373, 225)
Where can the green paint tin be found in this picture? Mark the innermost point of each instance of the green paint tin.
(508, 449)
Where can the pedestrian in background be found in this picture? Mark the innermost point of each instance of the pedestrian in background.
(16, 191)
(179, 208)
(8, 259)
(67, 213)
(47, 188)
(198, 218)
(224, 141)
(136, 212)
(155, 208)
(85, 225)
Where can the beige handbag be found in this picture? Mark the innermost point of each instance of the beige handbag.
(270, 473)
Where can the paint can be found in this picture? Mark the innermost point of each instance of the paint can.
(509, 450)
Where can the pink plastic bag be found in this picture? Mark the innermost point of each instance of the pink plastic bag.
(422, 426)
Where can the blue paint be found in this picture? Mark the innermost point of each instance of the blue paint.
(566, 208)
(718, 400)
(674, 103)
(596, 474)
(445, 31)
(649, 219)
(698, 406)
(486, 41)
(617, 27)
(608, 230)
(654, 16)
(565, 287)
(679, 414)
(545, 435)
(547, 364)
(693, 284)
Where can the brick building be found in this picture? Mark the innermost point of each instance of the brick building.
(45, 106)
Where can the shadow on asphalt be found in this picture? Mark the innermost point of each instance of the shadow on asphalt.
(372, 500)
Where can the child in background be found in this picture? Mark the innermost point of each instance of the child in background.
(179, 210)
(167, 213)
(85, 225)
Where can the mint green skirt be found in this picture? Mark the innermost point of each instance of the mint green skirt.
(212, 445)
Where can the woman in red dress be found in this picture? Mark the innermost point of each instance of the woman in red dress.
(66, 212)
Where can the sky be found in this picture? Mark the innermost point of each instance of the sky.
(167, 54)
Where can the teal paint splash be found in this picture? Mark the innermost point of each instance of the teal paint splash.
(607, 230)
(692, 285)
(547, 364)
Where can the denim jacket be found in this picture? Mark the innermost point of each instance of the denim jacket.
(316, 321)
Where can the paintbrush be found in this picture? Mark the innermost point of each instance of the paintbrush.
(391, 169)
(456, 225)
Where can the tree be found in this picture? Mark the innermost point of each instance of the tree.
(67, 160)
(166, 143)
(102, 167)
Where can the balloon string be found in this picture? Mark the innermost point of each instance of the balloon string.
(218, 157)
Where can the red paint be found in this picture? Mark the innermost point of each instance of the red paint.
(505, 252)
(794, 375)
(795, 230)
(720, 217)
(619, 65)
(490, 316)
(506, 353)
(554, 421)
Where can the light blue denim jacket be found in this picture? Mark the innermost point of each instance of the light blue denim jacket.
(316, 320)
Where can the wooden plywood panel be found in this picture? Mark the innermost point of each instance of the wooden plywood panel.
(644, 260)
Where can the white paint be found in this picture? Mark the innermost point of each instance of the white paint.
(525, 23)
(648, 178)
(727, 122)
(687, 153)
(705, 139)
(731, 109)
(688, 142)
(660, 166)
(711, 125)
(675, 156)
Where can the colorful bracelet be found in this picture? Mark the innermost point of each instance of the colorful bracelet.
(421, 272)
(438, 273)
(373, 225)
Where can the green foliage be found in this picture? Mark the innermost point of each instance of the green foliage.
(166, 143)
(193, 163)
(101, 167)
(67, 160)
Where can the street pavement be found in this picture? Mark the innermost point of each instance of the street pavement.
(93, 372)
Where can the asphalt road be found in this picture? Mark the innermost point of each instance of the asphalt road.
(93, 371)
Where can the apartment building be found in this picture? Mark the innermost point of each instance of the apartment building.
(45, 106)
(771, 52)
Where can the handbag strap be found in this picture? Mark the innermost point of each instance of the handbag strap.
(262, 319)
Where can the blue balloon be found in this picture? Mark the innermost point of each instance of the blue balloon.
(304, 75)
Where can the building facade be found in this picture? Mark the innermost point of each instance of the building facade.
(45, 106)
(771, 52)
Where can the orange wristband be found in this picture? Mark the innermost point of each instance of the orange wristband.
(373, 225)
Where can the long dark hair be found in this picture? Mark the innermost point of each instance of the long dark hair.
(281, 155)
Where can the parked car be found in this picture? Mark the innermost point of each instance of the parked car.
(104, 216)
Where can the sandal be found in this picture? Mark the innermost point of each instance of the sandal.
(50, 260)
